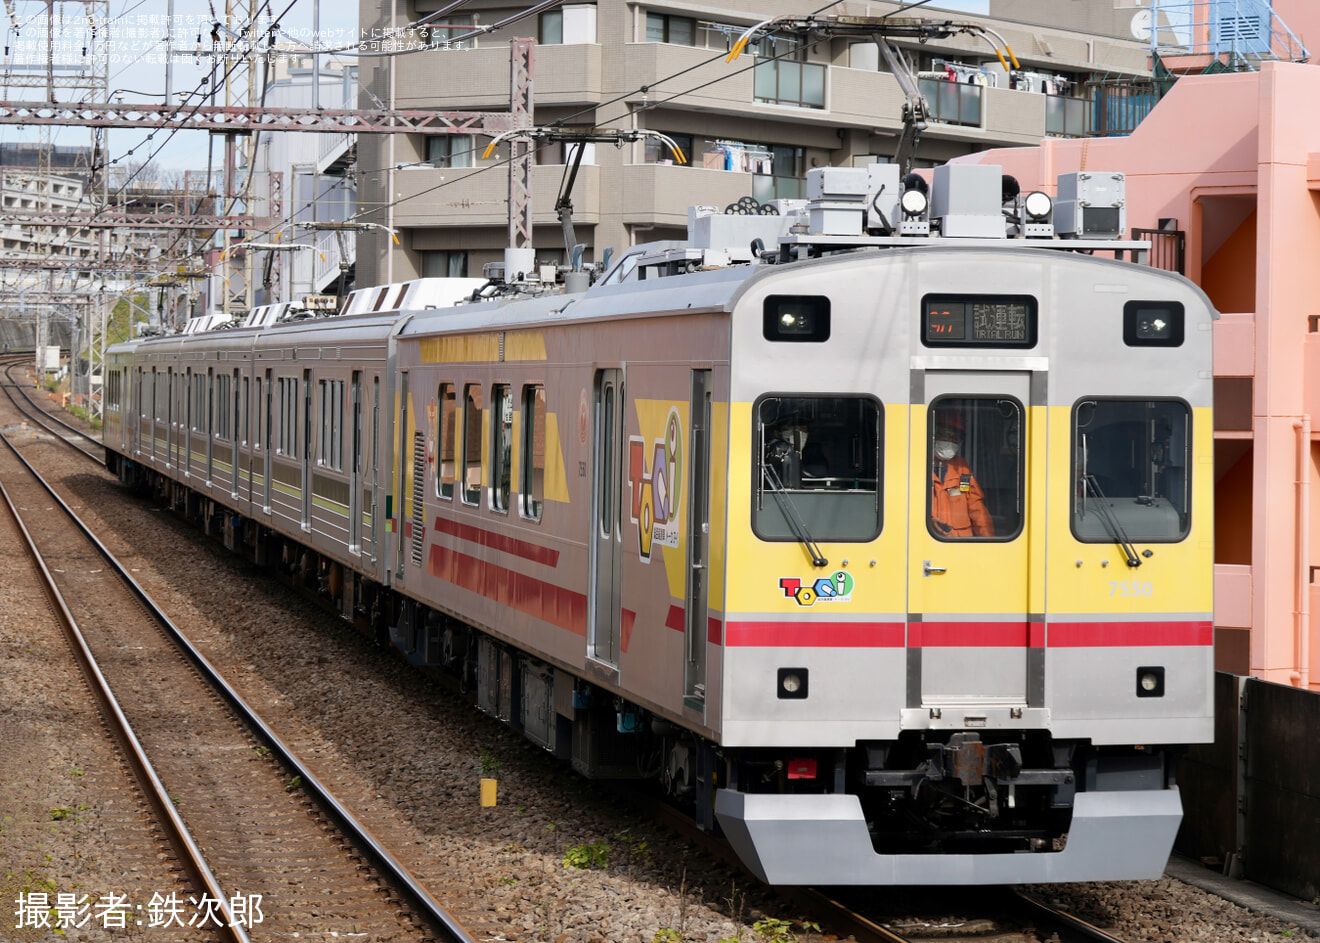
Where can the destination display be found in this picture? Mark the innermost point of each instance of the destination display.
(979, 321)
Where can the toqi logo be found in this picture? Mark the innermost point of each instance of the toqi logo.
(837, 587)
(655, 494)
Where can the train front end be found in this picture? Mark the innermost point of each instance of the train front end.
(969, 572)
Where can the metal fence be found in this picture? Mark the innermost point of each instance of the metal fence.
(1251, 800)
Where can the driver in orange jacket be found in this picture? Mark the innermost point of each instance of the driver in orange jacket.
(957, 505)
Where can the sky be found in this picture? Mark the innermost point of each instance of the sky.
(137, 61)
(137, 71)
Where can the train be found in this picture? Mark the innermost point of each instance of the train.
(874, 529)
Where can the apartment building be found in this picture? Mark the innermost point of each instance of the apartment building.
(752, 127)
(317, 171)
(28, 191)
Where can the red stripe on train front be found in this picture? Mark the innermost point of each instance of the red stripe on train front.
(975, 635)
(1130, 634)
(814, 634)
(501, 542)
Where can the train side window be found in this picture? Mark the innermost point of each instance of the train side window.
(501, 452)
(1131, 470)
(976, 466)
(256, 440)
(330, 443)
(444, 437)
(531, 478)
(220, 408)
(472, 443)
(818, 468)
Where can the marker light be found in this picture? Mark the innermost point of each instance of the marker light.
(1038, 205)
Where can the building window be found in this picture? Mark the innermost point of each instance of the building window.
(444, 437)
(571, 25)
(550, 28)
(658, 152)
(452, 25)
(472, 443)
(562, 152)
(786, 78)
(444, 264)
(450, 150)
(531, 482)
(667, 28)
(787, 179)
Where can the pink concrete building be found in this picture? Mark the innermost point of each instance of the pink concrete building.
(1233, 162)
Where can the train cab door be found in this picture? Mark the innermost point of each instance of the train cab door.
(970, 631)
(605, 596)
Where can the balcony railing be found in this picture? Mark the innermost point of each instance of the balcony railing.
(952, 103)
(1067, 117)
(784, 82)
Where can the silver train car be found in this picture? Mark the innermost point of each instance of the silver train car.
(877, 532)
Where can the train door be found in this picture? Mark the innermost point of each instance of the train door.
(269, 441)
(605, 598)
(401, 452)
(212, 411)
(355, 469)
(970, 633)
(189, 420)
(307, 452)
(698, 554)
(375, 467)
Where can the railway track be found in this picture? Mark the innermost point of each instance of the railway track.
(249, 840)
(82, 443)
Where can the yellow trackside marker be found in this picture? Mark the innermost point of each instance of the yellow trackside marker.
(489, 789)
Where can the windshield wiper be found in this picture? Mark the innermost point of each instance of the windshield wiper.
(790, 513)
(1111, 521)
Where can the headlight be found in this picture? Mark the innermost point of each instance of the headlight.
(1038, 205)
(913, 202)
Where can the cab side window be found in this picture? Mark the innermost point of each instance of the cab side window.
(817, 468)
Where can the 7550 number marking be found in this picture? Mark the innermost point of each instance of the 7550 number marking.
(1131, 588)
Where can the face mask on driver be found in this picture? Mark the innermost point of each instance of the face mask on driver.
(945, 449)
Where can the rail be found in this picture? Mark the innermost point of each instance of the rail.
(153, 790)
(418, 898)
